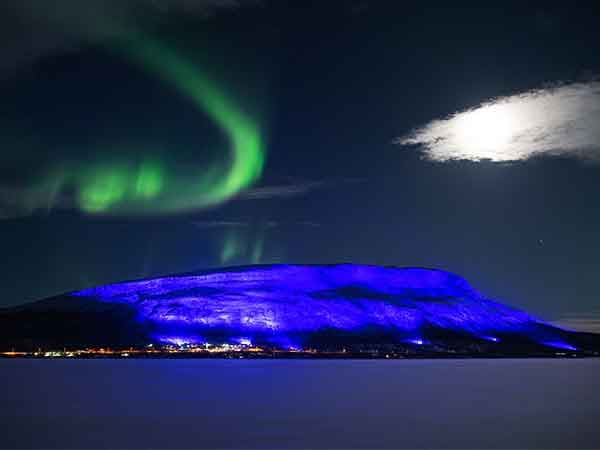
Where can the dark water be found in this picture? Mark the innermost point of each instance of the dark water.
(300, 404)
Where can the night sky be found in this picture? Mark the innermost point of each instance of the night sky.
(142, 138)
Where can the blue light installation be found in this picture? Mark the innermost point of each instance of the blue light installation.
(561, 345)
(179, 340)
(285, 305)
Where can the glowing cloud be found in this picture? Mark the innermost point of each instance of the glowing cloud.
(558, 121)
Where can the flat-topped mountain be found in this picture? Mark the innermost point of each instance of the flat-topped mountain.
(321, 307)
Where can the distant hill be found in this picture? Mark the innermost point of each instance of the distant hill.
(323, 307)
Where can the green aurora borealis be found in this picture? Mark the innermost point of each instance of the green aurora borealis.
(125, 185)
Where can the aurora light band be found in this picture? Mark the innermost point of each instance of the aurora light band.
(152, 185)
(288, 305)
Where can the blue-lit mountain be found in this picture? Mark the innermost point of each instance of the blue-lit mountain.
(329, 307)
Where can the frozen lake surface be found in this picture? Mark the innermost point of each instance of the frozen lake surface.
(527, 403)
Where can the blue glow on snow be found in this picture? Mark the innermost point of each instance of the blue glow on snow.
(490, 338)
(180, 341)
(243, 341)
(284, 343)
(559, 345)
(285, 304)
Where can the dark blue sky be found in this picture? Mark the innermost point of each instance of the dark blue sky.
(334, 83)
